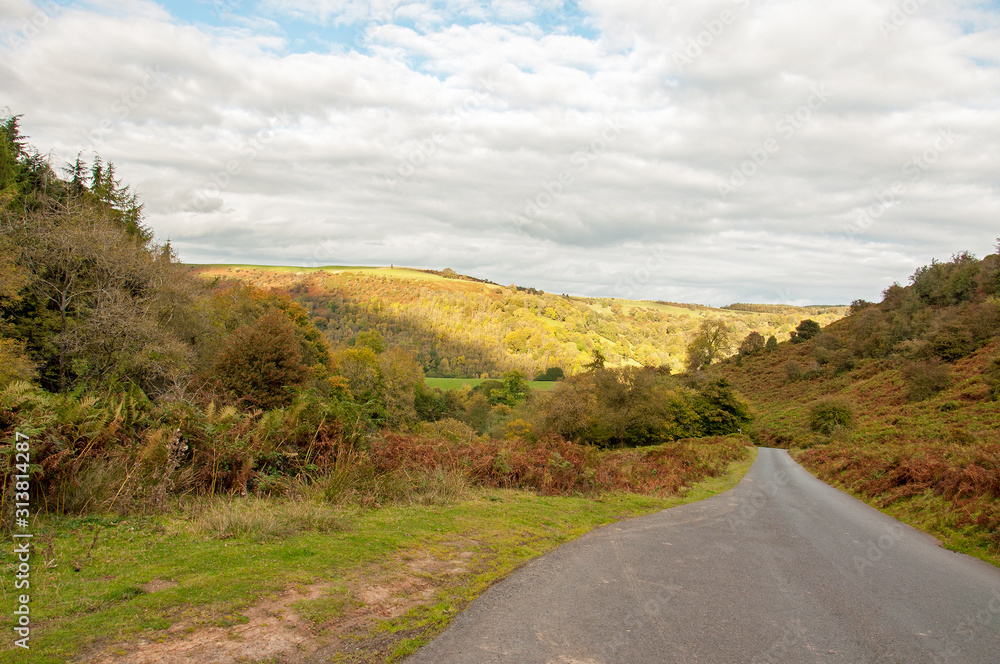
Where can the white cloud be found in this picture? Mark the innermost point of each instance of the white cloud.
(466, 135)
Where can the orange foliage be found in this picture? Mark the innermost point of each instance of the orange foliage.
(554, 466)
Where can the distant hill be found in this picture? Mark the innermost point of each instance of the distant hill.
(462, 326)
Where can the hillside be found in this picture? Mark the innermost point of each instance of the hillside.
(458, 326)
(897, 401)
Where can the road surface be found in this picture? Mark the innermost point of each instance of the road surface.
(782, 568)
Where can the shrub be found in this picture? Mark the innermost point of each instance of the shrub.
(551, 374)
(262, 362)
(993, 377)
(843, 360)
(953, 342)
(831, 414)
(793, 370)
(983, 320)
(771, 345)
(925, 379)
(449, 428)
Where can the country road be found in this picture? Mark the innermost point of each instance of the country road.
(782, 568)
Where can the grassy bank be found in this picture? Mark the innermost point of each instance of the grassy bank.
(931, 462)
(248, 579)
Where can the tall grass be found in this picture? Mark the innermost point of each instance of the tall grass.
(261, 519)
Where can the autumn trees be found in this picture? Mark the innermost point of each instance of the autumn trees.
(714, 340)
(87, 297)
(631, 406)
(90, 302)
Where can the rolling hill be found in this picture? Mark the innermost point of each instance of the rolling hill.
(463, 327)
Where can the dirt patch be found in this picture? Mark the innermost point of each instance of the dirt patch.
(156, 585)
(275, 632)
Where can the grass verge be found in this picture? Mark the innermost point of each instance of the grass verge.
(344, 583)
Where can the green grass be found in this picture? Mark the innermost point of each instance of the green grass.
(459, 383)
(88, 595)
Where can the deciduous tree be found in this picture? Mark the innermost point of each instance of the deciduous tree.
(714, 339)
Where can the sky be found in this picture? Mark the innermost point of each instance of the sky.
(709, 151)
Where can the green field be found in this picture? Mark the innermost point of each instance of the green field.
(458, 383)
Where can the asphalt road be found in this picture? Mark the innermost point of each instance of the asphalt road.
(782, 568)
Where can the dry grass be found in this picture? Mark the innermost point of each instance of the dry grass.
(261, 519)
(554, 466)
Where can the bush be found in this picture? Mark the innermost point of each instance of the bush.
(14, 362)
(831, 414)
(793, 370)
(262, 363)
(953, 342)
(551, 374)
(449, 429)
(993, 377)
(925, 379)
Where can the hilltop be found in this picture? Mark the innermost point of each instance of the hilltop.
(461, 326)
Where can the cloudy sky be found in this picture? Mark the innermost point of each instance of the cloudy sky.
(711, 151)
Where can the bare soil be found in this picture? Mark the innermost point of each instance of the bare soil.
(275, 633)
